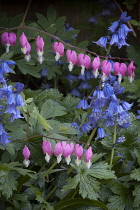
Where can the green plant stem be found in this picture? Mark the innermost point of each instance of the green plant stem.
(112, 151)
(25, 14)
(90, 138)
(52, 166)
(51, 192)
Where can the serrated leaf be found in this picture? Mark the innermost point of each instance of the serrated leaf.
(52, 109)
(44, 122)
(135, 174)
(101, 170)
(53, 71)
(116, 203)
(25, 68)
(136, 193)
(51, 14)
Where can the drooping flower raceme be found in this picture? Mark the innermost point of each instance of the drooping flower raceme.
(26, 154)
(8, 39)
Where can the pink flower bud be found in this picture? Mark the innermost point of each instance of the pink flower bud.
(23, 40)
(71, 58)
(58, 48)
(106, 69)
(131, 68)
(39, 44)
(95, 65)
(120, 70)
(69, 148)
(28, 49)
(58, 151)
(8, 39)
(47, 149)
(78, 153)
(83, 61)
(88, 156)
(26, 154)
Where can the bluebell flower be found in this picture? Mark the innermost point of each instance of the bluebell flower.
(120, 140)
(83, 104)
(75, 125)
(5, 68)
(15, 115)
(84, 85)
(123, 119)
(71, 78)
(101, 42)
(45, 86)
(3, 136)
(123, 17)
(126, 29)
(76, 92)
(100, 133)
(109, 119)
(108, 90)
(86, 127)
(19, 87)
(19, 100)
(113, 26)
(138, 117)
(93, 20)
(126, 106)
(114, 39)
(43, 73)
(117, 88)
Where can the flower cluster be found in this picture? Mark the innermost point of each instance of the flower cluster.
(81, 60)
(105, 108)
(118, 32)
(10, 98)
(62, 149)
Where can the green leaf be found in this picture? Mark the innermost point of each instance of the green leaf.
(51, 14)
(136, 193)
(53, 71)
(74, 203)
(44, 122)
(116, 203)
(52, 109)
(134, 22)
(135, 174)
(10, 149)
(42, 21)
(6, 56)
(25, 68)
(101, 170)
(60, 22)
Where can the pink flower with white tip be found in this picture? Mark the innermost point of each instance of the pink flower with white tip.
(58, 151)
(47, 149)
(40, 48)
(28, 56)
(106, 69)
(58, 48)
(131, 68)
(8, 39)
(84, 62)
(95, 65)
(23, 41)
(26, 154)
(71, 59)
(120, 70)
(68, 150)
(88, 155)
(78, 153)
